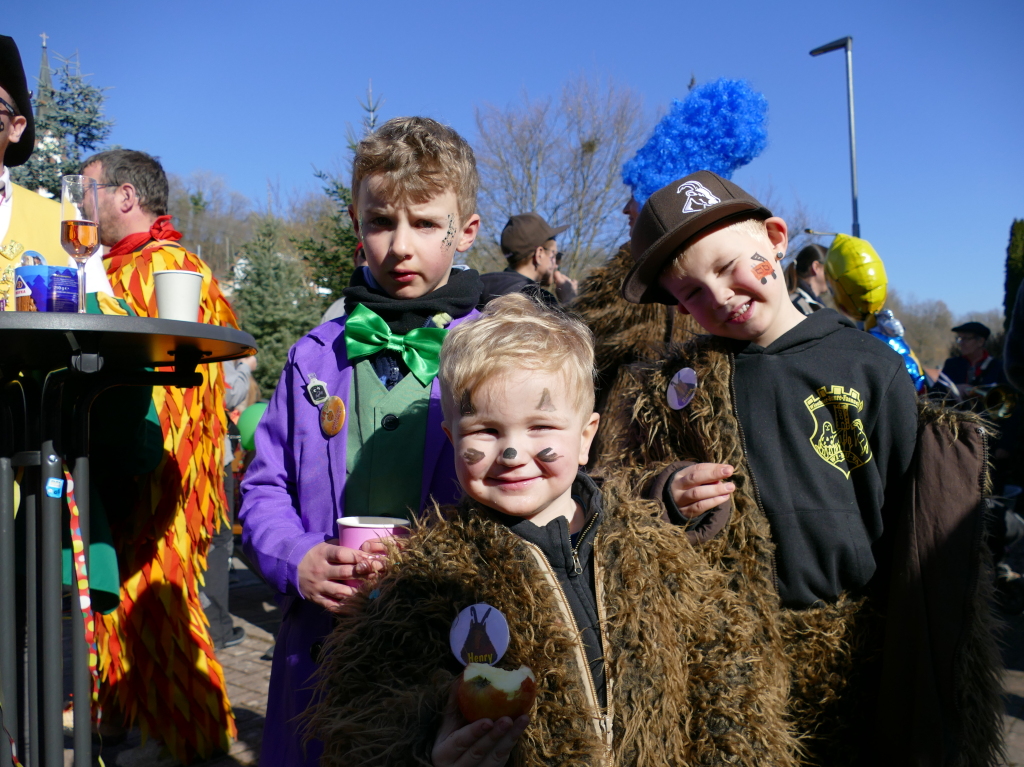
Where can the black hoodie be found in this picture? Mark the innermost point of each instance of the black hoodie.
(829, 418)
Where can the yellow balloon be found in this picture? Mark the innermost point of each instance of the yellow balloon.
(856, 276)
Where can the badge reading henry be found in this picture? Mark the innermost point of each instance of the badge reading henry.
(479, 635)
(681, 388)
(332, 416)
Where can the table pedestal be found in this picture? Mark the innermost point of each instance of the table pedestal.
(79, 357)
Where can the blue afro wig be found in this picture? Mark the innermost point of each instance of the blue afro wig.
(721, 126)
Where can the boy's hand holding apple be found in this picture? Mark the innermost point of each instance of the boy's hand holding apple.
(483, 743)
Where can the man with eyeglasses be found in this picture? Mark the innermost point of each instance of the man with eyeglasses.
(528, 244)
(975, 366)
(155, 649)
(28, 221)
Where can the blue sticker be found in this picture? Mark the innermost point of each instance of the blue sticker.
(54, 487)
(681, 388)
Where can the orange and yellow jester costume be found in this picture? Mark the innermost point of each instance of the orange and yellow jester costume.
(157, 662)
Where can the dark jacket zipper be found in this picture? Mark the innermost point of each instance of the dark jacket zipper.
(750, 471)
(577, 568)
(576, 630)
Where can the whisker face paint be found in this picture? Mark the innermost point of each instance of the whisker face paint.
(545, 402)
(472, 456)
(509, 453)
(548, 455)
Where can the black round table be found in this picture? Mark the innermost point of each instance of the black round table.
(76, 356)
(51, 340)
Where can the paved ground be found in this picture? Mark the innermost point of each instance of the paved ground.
(247, 670)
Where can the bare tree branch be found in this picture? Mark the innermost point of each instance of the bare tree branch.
(562, 161)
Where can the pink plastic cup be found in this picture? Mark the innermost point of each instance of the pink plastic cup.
(353, 532)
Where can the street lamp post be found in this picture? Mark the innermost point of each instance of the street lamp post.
(847, 43)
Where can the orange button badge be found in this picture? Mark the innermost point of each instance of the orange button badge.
(332, 416)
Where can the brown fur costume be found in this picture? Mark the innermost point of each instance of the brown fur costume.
(624, 332)
(933, 658)
(692, 677)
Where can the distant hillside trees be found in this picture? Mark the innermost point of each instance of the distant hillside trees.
(329, 243)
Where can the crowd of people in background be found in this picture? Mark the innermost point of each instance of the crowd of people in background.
(715, 556)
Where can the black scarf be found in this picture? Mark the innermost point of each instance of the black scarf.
(456, 298)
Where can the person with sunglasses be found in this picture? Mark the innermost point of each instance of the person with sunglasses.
(28, 221)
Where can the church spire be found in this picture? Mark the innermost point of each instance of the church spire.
(44, 97)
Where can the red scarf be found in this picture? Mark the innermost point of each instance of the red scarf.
(975, 372)
(161, 230)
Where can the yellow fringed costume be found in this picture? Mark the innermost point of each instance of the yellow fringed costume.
(35, 225)
(156, 657)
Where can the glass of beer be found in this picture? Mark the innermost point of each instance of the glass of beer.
(79, 230)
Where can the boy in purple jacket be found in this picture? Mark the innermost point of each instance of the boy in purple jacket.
(354, 426)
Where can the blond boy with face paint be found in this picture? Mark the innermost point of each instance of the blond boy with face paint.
(606, 603)
(848, 520)
(811, 389)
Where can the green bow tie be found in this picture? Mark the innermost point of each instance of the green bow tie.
(367, 333)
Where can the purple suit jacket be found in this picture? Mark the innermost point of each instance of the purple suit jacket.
(293, 492)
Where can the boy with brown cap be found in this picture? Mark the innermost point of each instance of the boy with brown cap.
(809, 428)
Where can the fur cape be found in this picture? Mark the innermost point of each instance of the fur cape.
(909, 677)
(624, 332)
(694, 677)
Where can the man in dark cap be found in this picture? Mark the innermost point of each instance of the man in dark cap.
(975, 366)
(528, 244)
(28, 221)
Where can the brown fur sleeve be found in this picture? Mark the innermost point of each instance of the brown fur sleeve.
(385, 676)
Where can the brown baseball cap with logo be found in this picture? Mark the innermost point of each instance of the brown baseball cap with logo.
(524, 233)
(671, 217)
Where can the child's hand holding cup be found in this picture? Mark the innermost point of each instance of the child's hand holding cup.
(366, 534)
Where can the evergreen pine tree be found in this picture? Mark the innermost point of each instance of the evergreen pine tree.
(69, 123)
(274, 300)
(1014, 267)
(329, 255)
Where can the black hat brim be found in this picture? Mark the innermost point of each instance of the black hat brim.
(12, 79)
(641, 284)
(974, 328)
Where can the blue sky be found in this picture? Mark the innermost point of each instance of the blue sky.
(261, 91)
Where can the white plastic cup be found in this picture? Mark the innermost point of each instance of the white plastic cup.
(177, 295)
(353, 532)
